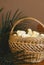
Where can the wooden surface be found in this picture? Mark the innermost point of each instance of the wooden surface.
(40, 63)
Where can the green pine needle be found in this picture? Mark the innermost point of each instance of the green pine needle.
(1, 9)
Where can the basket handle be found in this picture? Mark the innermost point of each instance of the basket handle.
(31, 18)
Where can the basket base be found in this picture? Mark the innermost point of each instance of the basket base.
(33, 61)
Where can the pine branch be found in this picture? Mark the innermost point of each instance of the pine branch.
(1, 9)
(15, 15)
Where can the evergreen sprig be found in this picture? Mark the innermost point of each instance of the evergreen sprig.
(7, 21)
(1, 9)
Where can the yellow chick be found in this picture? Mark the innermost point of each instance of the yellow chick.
(29, 31)
(42, 35)
(20, 33)
(35, 34)
(25, 35)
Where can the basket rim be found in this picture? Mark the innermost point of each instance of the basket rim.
(27, 18)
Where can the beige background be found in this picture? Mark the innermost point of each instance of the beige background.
(32, 8)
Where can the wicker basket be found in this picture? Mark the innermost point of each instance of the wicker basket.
(33, 47)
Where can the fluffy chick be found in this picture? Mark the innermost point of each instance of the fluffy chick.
(42, 35)
(25, 35)
(29, 31)
(35, 34)
(20, 33)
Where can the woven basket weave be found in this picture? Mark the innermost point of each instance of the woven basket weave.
(33, 47)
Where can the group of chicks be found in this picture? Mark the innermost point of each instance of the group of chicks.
(29, 33)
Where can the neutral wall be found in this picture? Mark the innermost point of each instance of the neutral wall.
(34, 8)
